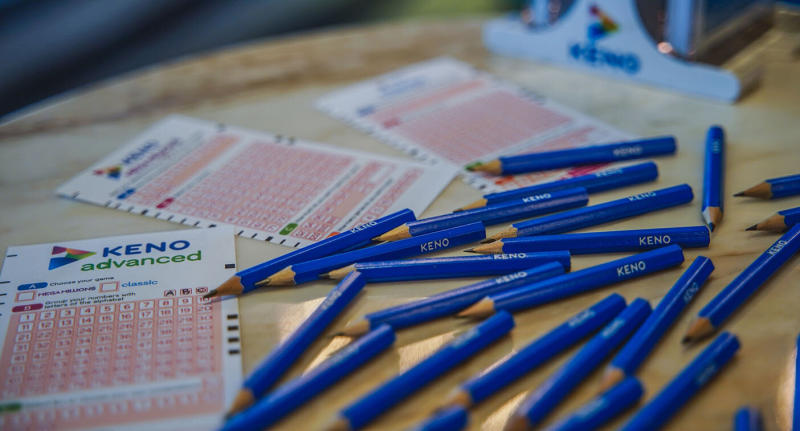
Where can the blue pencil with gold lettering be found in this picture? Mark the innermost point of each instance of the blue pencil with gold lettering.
(688, 382)
(541, 350)
(282, 357)
(603, 408)
(595, 182)
(779, 222)
(600, 213)
(363, 411)
(298, 391)
(796, 411)
(747, 419)
(774, 188)
(454, 418)
(595, 154)
(542, 400)
(451, 301)
(245, 280)
(449, 267)
(428, 243)
(523, 207)
(666, 312)
(743, 286)
(562, 286)
(713, 175)
(601, 242)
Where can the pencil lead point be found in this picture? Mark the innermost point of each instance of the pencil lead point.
(325, 276)
(711, 227)
(210, 294)
(739, 194)
(470, 250)
(488, 240)
(686, 340)
(472, 166)
(753, 227)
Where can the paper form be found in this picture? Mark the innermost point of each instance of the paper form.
(445, 112)
(114, 333)
(271, 187)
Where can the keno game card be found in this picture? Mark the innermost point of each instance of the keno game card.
(271, 187)
(447, 113)
(114, 333)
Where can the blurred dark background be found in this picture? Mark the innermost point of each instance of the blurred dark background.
(48, 47)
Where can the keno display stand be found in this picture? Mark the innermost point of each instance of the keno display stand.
(607, 37)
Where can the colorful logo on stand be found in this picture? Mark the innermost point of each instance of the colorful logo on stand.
(113, 172)
(602, 24)
(63, 256)
(592, 54)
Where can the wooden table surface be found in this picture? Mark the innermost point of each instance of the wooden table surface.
(271, 85)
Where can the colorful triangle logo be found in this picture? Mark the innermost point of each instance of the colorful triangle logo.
(602, 25)
(64, 256)
(113, 172)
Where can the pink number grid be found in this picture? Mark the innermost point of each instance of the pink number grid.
(110, 345)
(263, 187)
(154, 192)
(470, 128)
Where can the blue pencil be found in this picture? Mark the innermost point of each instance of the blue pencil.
(796, 409)
(747, 419)
(779, 222)
(677, 392)
(745, 284)
(450, 267)
(606, 153)
(774, 188)
(666, 312)
(596, 182)
(549, 394)
(576, 282)
(601, 213)
(451, 301)
(713, 177)
(363, 411)
(519, 208)
(428, 243)
(541, 350)
(449, 419)
(288, 397)
(603, 408)
(246, 279)
(601, 242)
(281, 358)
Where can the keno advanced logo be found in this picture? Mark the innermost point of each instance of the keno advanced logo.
(127, 255)
(600, 27)
(63, 256)
(115, 171)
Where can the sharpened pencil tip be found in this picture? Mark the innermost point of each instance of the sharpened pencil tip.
(738, 194)
(470, 250)
(211, 294)
(487, 240)
(753, 227)
(711, 227)
(244, 399)
(686, 340)
(325, 276)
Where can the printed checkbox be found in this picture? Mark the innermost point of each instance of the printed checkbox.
(109, 286)
(26, 296)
